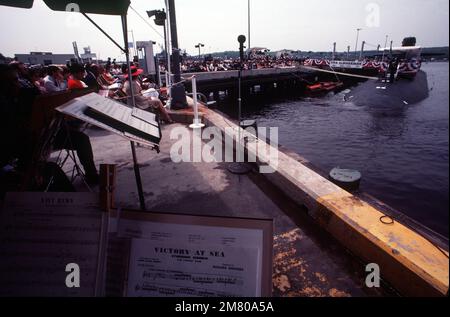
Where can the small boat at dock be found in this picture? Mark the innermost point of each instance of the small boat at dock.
(323, 87)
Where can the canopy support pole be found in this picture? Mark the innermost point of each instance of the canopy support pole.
(126, 50)
(137, 172)
(104, 32)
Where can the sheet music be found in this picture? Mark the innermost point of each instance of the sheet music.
(184, 270)
(40, 233)
(123, 114)
(235, 271)
(115, 86)
(77, 108)
(144, 115)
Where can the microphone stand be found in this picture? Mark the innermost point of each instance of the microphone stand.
(240, 168)
(240, 96)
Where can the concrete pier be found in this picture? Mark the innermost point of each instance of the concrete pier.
(306, 262)
(408, 261)
(323, 237)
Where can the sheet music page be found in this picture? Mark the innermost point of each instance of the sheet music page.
(144, 115)
(115, 86)
(40, 233)
(77, 107)
(123, 114)
(191, 260)
(185, 270)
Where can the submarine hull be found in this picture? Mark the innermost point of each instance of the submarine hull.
(377, 94)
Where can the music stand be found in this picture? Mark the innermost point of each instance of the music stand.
(77, 171)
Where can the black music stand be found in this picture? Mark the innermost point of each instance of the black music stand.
(126, 50)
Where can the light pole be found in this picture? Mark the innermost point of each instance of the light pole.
(384, 49)
(249, 25)
(160, 19)
(357, 40)
(390, 49)
(199, 46)
(334, 51)
(362, 50)
(178, 93)
(134, 43)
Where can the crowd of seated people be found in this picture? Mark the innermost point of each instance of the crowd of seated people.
(192, 65)
(21, 85)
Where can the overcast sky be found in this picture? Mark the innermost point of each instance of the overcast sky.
(276, 24)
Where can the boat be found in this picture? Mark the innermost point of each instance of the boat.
(323, 87)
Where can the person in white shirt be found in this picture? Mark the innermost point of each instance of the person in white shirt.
(52, 82)
(142, 101)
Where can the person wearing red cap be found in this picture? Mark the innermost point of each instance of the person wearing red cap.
(141, 101)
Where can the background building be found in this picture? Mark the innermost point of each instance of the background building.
(88, 56)
(44, 58)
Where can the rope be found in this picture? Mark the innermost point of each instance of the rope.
(335, 73)
(339, 73)
(187, 79)
(303, 79)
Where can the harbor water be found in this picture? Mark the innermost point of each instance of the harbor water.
(402, 154)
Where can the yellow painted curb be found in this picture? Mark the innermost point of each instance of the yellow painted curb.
(411, 263)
